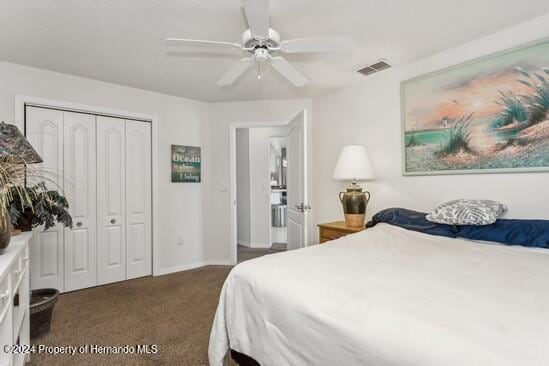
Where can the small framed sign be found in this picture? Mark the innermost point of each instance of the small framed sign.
(185, 164)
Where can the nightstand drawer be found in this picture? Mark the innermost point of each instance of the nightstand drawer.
(334, 230)
(328, 234)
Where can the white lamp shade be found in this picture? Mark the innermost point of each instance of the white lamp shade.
(353, 163)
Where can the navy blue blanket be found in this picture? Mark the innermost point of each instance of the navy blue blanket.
(528, 233)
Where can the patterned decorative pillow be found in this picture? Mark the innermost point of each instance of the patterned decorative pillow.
(467, 212)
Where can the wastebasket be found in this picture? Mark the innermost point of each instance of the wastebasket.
(41, 308)
(278, 215)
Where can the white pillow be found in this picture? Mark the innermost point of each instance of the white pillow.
(467, 212)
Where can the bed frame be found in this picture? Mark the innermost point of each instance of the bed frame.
(243, 360)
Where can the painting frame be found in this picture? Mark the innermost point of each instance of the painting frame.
(187, 167)
(442, 71)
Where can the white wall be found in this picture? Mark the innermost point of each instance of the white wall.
(216, 162)
(243, 186)
(181, 121)
(369, 114)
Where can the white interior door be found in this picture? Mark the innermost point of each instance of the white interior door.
(296, 182)
(44, 130)
(111, 205)
(138, 199)
(80, 191)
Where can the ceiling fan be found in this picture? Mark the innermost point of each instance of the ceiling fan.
(262, 43)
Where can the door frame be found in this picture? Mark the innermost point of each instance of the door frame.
(233, 217)
(21, 101)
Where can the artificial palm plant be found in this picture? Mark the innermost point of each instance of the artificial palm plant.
(43, 207)
(16, 198)
(12, 181)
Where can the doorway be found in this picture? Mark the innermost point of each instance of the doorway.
(268, 187)
(261, 191)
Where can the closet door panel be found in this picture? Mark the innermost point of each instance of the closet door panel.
(46, 259)
(44, 130)
(138, 199)
(111, 203)
(80, 190)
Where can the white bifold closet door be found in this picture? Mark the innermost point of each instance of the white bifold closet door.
(44, 130)
(80, 191)
(111, 200)
(103, 167)
(138, 199)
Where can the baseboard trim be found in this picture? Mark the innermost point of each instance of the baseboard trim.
(183, 267)
(254, 245)
(242, 242)
(260, 246)
(186, 267)
(221, 262)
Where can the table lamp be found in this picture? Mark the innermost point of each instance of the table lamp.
(353, 164)
(14, 150)
(15, 147)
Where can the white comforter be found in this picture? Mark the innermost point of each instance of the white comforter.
(388, 296)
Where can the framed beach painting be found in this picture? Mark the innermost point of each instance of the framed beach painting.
(488, 115)
(185, 164)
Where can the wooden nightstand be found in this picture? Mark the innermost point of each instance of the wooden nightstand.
(333, 230)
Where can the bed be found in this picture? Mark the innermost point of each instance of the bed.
(388, 296)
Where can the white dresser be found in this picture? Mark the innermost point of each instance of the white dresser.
(14, 298)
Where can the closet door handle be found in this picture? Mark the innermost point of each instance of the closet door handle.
(113, 221)
(78, 224)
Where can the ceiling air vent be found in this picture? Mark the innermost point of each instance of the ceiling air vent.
(373, 68)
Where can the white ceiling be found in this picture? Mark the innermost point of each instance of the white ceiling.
(121, 41)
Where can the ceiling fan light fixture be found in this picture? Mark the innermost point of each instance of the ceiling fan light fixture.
(258, 71)
(262, 44)
(261, 54)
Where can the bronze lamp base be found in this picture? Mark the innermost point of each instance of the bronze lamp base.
(354, 202)
(355, 220)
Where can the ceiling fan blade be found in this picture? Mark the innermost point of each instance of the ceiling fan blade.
(257, 14)
(320, 44)
(289, 72)
(182, 42)
(235, 72)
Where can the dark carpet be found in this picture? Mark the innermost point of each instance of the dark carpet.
(246, 253)
(174, 312)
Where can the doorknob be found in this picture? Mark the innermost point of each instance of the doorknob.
(113, 221)
(78, 224)
(302, 207)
